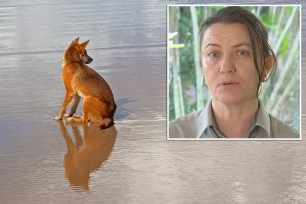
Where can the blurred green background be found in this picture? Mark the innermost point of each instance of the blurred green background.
(186, 89)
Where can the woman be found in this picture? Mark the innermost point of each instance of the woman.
(235, 58)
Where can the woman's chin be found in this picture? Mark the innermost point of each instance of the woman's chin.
(228, 100)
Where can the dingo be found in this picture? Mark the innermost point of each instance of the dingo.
(82, 81)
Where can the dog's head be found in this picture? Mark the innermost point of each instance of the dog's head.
(76, 52)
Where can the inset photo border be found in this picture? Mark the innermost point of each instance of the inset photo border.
(206, 73)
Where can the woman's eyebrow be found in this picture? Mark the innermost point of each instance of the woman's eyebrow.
(213, 45)
(236, 45)
(242, 44)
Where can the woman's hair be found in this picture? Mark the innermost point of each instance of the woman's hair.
(257, 32)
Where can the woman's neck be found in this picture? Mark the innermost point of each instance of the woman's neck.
(235, 120)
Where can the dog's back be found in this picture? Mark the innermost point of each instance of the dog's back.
(89, 83)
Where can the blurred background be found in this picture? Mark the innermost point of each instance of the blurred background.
(187, 91)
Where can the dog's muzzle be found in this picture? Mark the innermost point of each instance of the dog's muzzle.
(88, 60)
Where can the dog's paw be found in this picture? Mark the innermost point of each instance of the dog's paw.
(58, 118)
(67, 115)
(69, 119)
(77, 116)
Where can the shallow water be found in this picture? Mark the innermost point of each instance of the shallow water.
(44, 161)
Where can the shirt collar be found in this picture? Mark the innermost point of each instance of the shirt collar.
(263, 119)
(206, 119)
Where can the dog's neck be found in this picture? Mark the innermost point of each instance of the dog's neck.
(65, 62)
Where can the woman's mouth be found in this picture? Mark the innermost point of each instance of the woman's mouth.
(228, 83)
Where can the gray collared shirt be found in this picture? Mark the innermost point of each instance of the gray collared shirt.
(202, 124)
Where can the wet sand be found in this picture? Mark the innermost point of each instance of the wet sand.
(45, 161)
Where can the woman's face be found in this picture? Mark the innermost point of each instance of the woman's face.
(228, 63)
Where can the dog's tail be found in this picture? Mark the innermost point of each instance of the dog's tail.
(106, 122)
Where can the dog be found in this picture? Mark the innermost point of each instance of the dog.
(82, 81)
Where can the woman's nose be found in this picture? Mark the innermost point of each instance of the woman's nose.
(227, 65)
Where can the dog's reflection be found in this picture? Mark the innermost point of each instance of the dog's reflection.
(85, 155)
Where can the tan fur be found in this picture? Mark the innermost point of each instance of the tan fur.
(82, 81)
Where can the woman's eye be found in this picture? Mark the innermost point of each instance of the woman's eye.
(213, 54)
(243, 53)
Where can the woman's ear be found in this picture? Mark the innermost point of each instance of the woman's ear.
(269, 62)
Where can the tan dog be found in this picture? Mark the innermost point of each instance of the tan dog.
(82, 81)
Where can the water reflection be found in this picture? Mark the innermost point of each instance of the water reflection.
(85, 154)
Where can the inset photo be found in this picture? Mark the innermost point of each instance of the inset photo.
(234, 72)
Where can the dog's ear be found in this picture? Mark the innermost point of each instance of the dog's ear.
(76, 40)
(84, 44)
